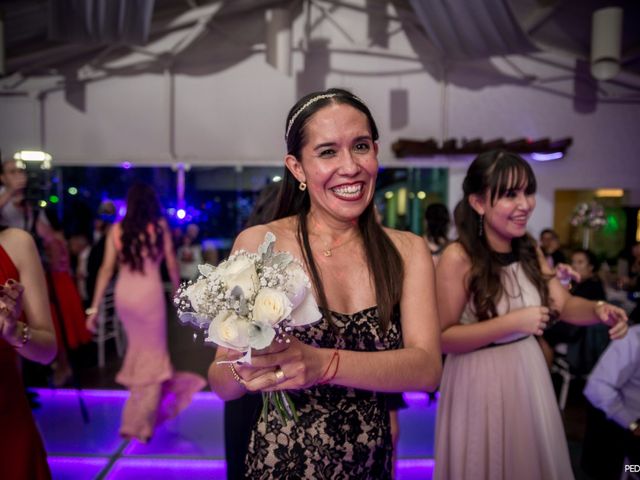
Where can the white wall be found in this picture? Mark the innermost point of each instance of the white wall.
(232, 111)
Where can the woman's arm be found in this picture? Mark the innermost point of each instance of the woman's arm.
(170, 256)
(221, 379)
(105, 273)
(580, 311)
(41, 346)
(453, 269)
(417, 366)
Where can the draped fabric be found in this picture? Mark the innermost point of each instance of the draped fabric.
(101, 21)
(466, 30)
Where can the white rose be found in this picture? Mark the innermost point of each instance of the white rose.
(241, 272)
(271, 306)
(196, 293)
(230, 331)
(297, 284)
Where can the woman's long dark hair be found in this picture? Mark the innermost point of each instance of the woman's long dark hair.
(143, 211)
(494, 173)
(383, 258)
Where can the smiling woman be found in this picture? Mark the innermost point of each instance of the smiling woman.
(497, 415)
(387, 338)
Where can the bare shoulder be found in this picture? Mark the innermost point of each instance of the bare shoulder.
(455, 257)
(250, 238)
(408, 243)
(18, 244)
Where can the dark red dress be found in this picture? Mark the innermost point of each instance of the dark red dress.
(22, 453)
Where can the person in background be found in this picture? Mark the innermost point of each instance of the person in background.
(15, 209)
(26, 331)
(437, 221)
(387, 341)
(176, 236)
(106, 215)
(80, 248)
(630, 281)
(497, 413)
(137, 246)
(67, 309)
(584, 345)
(612, 437)
(550, 245)
(189, 254)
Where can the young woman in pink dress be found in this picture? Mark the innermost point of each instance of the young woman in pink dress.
(137, 247)
(497, 415)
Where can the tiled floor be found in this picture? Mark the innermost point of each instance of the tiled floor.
(189, 446)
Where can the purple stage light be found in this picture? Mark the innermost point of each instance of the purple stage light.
(76, 467)
(189, 446)
(415, 469)
(166, 469)
(546, 157)
(126, 165)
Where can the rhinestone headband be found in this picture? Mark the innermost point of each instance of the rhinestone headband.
(311, 101)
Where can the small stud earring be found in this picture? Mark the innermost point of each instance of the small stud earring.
(302, 186)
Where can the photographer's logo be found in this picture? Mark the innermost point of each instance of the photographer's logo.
(632, 468)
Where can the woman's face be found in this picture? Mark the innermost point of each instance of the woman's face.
(580, 263)
(13, 177)
(339, 162)
(507, 218)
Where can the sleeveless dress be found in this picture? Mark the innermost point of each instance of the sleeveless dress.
(341, 433)
(22, 454)
(157, 392)
(497, 414)
(67, 303)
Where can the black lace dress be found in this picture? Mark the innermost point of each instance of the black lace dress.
(341, 433)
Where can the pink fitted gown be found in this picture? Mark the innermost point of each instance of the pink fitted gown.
(157, 392)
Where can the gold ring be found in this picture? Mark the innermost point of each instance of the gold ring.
(280, 376)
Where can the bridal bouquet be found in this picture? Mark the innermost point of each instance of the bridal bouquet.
(249, 300)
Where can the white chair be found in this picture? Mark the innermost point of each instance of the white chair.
(561, 367)
(109, 327)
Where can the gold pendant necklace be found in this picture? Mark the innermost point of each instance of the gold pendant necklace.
(328, 252)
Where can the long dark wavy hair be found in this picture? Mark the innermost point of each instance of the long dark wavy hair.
(383, 258)
(494, 173)
(143, 210)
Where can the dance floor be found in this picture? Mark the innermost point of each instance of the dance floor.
(189, 446)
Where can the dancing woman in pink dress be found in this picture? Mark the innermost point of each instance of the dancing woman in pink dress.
(137, 246)
(497, 415)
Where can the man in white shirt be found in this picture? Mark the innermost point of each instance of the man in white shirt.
(614, 389)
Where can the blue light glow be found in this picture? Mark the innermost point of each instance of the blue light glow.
(546, 157)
